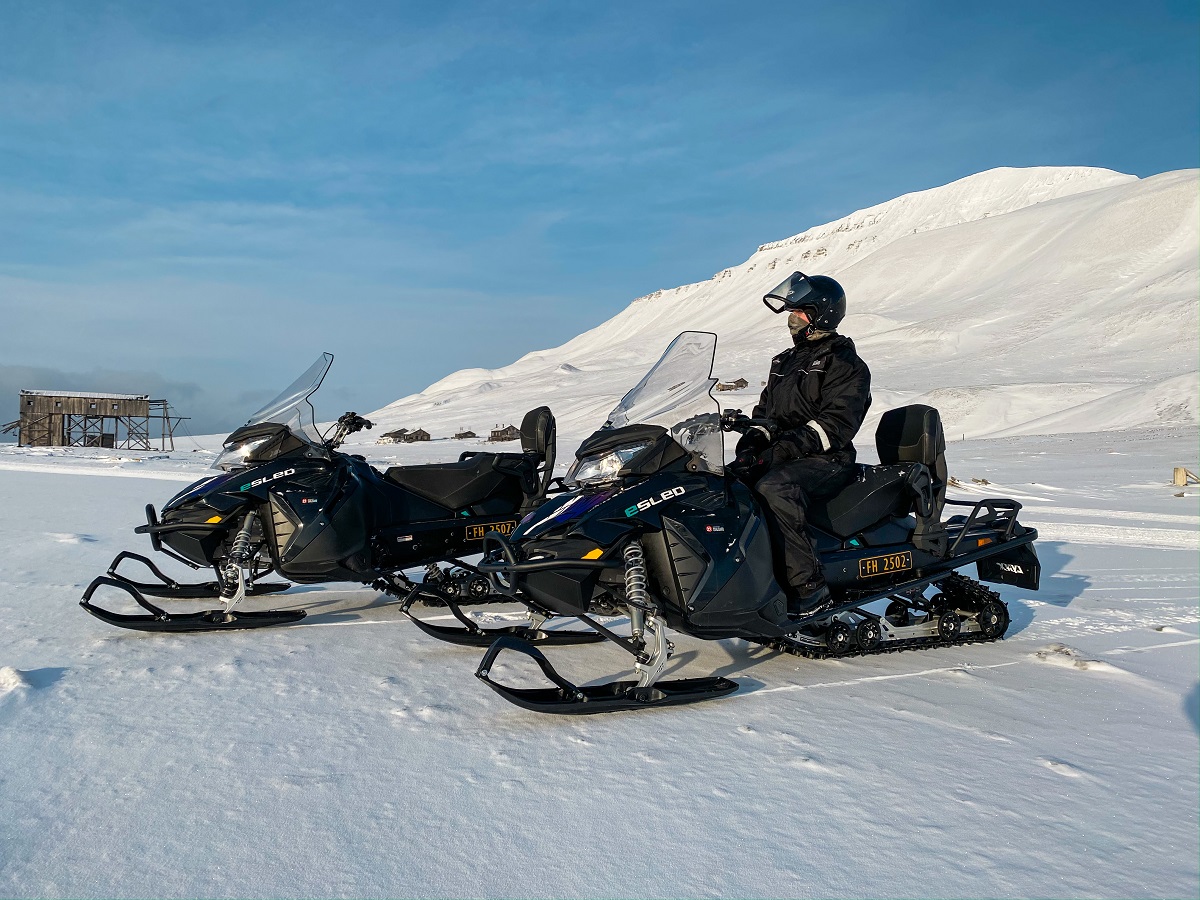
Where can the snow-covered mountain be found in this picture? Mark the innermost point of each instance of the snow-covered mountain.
(1017, 301)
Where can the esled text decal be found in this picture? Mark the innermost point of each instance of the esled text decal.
(650, 502)
(260, 481)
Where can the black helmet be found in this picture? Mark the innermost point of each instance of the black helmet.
(820, 295)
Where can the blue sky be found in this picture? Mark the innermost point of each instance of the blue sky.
(198, 198)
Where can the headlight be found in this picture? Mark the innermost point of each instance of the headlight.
(236, 456)
(602, 466)
(246, 450)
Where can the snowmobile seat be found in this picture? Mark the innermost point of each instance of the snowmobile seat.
(911, 478)
(478, 477)
(460, 485)
(876, 493)
(913, 435)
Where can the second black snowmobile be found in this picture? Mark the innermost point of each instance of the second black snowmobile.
(285, 500)
(653, 529)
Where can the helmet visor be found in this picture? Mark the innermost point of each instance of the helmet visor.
(794, 292)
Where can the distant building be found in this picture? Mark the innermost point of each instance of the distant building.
(411, 437)
(392, 437)
(88, 419)
(463, 435)
(507, 433)
(732, 385)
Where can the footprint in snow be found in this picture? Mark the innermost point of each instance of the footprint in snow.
(746, 729)
(64, 537)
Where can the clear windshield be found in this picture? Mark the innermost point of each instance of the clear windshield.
(677, 394)
(293, 408)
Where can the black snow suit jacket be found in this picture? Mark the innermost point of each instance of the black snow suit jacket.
(818, 394)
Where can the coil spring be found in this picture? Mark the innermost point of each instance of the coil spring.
(239, 553)
(636, 593)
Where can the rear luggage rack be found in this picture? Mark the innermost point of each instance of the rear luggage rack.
(992, 513)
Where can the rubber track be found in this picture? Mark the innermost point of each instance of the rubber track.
(960, 589)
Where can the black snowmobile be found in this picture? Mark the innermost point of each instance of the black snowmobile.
(652, 529)
(285, 501)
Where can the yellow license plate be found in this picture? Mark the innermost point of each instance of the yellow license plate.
(884, 565)
(476, 532)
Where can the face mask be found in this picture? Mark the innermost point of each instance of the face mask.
(798, 323)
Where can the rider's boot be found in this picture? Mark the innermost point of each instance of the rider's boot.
(810, 599)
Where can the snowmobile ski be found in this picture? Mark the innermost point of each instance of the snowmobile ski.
(571, 699)
(163, 621)
(473, 635)
(168, 588)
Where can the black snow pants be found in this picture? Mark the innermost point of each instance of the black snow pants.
(785, 491)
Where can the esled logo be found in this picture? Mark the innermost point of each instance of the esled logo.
(651, 502)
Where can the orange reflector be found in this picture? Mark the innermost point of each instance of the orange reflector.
(982, 541)
(593, 554)
(213, 521)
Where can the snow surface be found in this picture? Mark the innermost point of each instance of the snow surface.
(353, 756)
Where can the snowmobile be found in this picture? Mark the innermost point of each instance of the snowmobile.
(651, 527)
(286, 501)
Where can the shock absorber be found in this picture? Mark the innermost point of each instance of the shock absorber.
(635, 576)
(636, 594)
(233, 588)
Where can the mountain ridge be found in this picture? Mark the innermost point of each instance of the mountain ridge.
(977, 284)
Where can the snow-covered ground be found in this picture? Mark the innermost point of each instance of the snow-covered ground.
(1050, 314)
(352, 756)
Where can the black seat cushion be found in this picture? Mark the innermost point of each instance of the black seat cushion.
(877, 493)
(459, 485)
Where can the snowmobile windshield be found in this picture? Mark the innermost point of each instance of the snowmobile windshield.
(292, 408)
(677, 394)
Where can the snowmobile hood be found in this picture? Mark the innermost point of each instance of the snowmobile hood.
(203, 486)
(560, 510)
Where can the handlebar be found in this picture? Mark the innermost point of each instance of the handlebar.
(733, 420)
(347, 425)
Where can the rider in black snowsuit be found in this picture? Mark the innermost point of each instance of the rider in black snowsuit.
(816, 398)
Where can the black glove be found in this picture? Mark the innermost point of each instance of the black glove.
(795, 444)
(753, 441)
(743, 464)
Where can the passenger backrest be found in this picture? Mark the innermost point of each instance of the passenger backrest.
(913, 434)
(538, 437)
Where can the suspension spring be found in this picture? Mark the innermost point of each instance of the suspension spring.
(239, 553)
(233, 586)
(636, 593)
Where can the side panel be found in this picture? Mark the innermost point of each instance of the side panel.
(328, 542)
(740, 596)
(711, 564)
